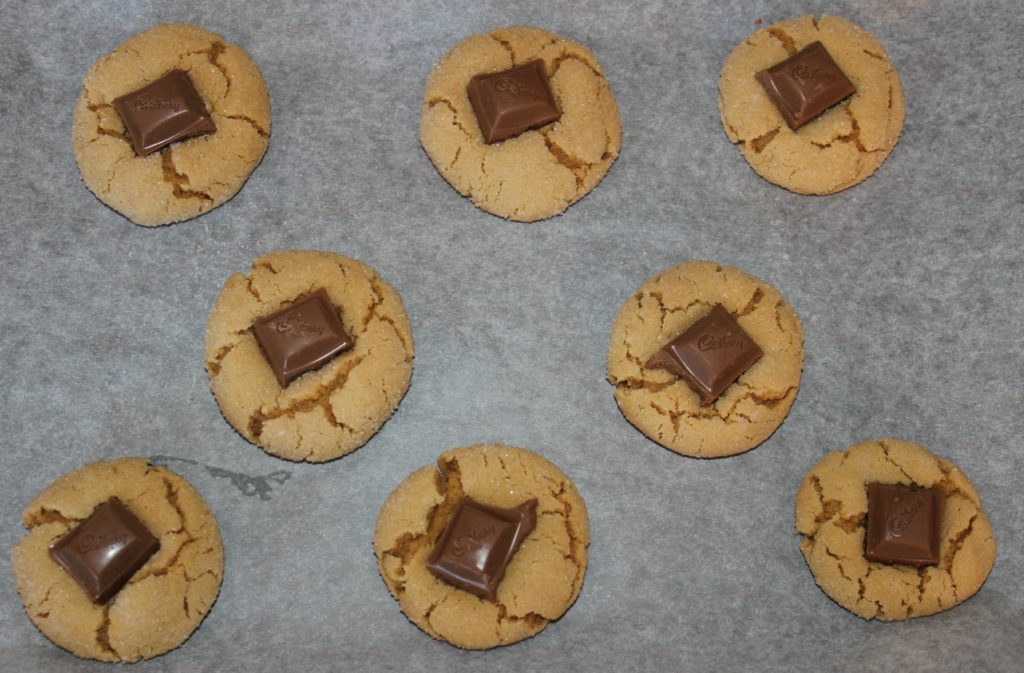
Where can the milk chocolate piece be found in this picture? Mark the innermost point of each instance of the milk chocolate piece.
(163, 112)
(805, 85)
(904, 524)
(710, 355)
(478, 543)
(104, 551)
(509, 102)
(301, 337)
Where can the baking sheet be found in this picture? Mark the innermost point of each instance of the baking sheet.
(908, 287)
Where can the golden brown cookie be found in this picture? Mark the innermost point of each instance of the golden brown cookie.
(541, 172)
(329, 411)
(542, 580)
(839, 149)
(163, 602)
(189, 177)
(831, 509)
(663, 406)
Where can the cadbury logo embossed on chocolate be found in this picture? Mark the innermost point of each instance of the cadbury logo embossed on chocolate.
(709, 342)
(803, 72)
(901, 520)
(472, 541)
(93, 541)
(150, 102)
(296, 325)
(515, 89)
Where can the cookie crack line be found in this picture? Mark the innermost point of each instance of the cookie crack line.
(171, 495)
(320, 398)
(213, 53)
(784, 39)
(506, 44)
(179, 181)
(448, 482)
(762, 141)
(711, 411)
(434, 102)
(885, 451)
(566, 56)
(251, 122)
(580, 169)
(103, 631)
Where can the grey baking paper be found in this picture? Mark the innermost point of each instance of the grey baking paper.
(908, 285)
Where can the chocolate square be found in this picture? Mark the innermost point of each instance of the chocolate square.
(509, 102)
(904, 524)
(301, 337)
(104, 551)
(478, 543)
(163, 112)
(710, 355)
(805, 85)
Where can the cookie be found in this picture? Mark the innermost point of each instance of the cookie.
(663, 405)
(843, 146)
(190, 176)
(541, 581)
(542, 171)
(163, 602)
(334, 408)
(831, 517)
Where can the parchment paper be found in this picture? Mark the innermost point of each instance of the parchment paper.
(908, 287)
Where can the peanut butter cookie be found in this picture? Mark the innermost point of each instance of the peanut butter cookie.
(189, 177)
(163, 601)
(665, 406)
(843, 146)
(540, 172)
(832, 517)
(341, 402)
(541, 581)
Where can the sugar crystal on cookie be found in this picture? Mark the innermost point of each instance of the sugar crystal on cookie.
(478, 543)
(301, 337)
(162, 112)
(104, 551)
(904, 524)
(805, 85)
(710, 355)
(512, 101)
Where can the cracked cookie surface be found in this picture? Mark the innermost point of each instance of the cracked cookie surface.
(163, 602)
(663, 406)
(190, 177)
(831, 516)
(327, 412)
(541, 172)
(839, 149)
(541, 582)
